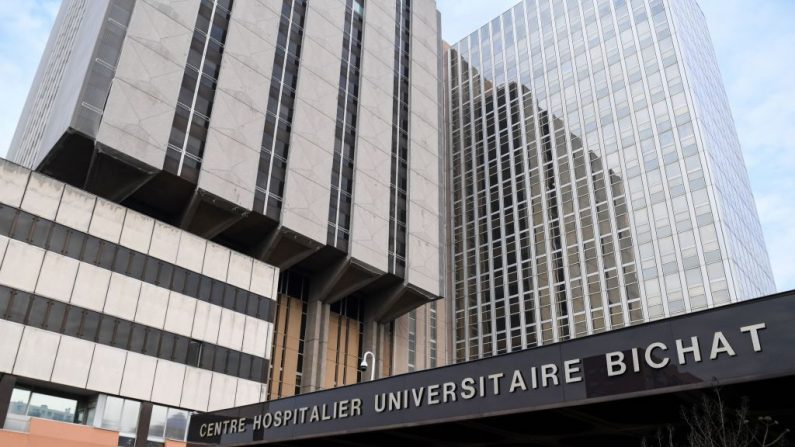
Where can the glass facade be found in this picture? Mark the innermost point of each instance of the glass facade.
(585, 194)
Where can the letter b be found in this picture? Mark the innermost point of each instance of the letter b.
(615, 363)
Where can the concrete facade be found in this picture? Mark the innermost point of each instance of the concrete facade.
(34, 264)
(220, 121)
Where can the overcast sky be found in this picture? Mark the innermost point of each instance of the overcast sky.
(754, 40)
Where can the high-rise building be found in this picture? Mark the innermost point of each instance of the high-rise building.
(301, 135)
(597, 180)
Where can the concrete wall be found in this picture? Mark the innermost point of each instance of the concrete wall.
(231, 155)
(141, 104)
(34, 353)
(424, 215)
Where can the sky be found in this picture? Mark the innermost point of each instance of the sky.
(754, 41)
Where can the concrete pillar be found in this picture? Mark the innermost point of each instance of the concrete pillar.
(315, 344)
(7, 383)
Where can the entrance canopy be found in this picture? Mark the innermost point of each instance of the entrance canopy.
(606, 389)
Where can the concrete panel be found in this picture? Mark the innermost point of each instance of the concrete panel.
(423, 23)
(75, 209)
(375, 101)
(263, 279)
(196, 389)
(249, 50)
(91, 287)
(42, 196)
(73, 362)
(13, 180)
(21, 265)
(36, 355)
(255, 47)
(248, 392)
(423, 107)
(379, 27)
(250, 336)
(222, 392)
(323, 28)
(310, 160)
(264, 339)
(10, 335)
(152, 306)
(107, 221)
(229, 168)
(424, 193)
(147, 65)
(305, 207)
(165, 242)
(238, 120)
(370, 238)
(423, 265)
(107, 368)
(137, 231)
(424, 161)
(136, 124)
(240, 267)
(425, 135)
(122, 298)
(230, 333)
(57, 277)
(138, 377)
(169, 377)
(180, 314)
(216, 261)
(181, 11)
(206, 322)
(191, 252)
(316, 109)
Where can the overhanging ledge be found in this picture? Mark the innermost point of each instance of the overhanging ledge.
(741, 347)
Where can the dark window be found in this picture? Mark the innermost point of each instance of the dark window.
(5, 300)
(194, 353)
(22, 226)
(18, 310)
(152, 342)
(74, 316)
(38, 312)
(90, 325)
(181, 346)
(121, 338)
(7, 215)
(40, 232)
(55, 316)
(166, 346)
(106, 328)
(207, 358)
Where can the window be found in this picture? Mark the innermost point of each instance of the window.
(167, 423)
(40, 405)
(120, 415)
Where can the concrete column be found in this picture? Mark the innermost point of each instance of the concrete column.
(315, 344)
(7, 383)
(144, 417)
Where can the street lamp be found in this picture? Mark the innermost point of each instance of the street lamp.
(363, 366)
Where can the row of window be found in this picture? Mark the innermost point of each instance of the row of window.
(194, 106)
(43, 233)
(43, 313)
(345, 134)
(400, 143)
(279, 117)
